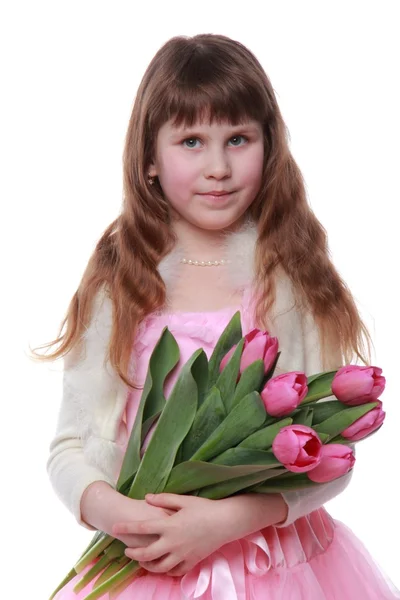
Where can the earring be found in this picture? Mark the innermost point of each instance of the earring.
(151, 179)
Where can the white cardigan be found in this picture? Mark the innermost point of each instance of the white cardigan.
(87, 445)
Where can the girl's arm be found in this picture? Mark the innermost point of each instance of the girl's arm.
(251, 512)
(102, 507)
(302, 502)
(85, 381)
(301, 351)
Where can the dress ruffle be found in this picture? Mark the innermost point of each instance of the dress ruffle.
(315, 558)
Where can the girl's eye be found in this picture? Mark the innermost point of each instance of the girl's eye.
(189, 140)
(235, 137)
(193, 140)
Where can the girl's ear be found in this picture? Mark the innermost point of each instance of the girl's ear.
(152, 171)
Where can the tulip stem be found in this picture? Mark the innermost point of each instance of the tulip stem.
(66, 579)
(116, 580)
(94, 552)
(110, 553)
(112, 568)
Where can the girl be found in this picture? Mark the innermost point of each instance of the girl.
(214, 220)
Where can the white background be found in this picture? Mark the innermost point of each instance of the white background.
(70, 71)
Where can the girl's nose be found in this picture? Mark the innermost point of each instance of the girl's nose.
(217, 165)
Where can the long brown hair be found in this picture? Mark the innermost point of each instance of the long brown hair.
(190, 79)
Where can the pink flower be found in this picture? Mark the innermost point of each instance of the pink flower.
(258, 345)
(365, 424)
(298, 448)
(283, 393)
(337, 459)
(354, 385)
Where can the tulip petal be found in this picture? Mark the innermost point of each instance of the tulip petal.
(286, 446)
(227, 358)
(254, 350)
(336, 460)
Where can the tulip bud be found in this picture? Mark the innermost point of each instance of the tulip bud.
(365, 425)
(354, 384)
(298, 448)
(336, 460)
(282, 394)
(258, 345)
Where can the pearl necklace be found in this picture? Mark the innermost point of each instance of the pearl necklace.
(205, 263)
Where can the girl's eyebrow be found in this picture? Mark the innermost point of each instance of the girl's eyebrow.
(191, 131)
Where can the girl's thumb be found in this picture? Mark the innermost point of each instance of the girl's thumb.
(165, 500)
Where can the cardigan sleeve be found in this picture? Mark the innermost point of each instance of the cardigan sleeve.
(302, 502)
(69, 470)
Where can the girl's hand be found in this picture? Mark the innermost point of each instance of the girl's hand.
(195, 531)
(140, 541)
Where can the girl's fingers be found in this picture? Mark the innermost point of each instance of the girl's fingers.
(137, 541)
(166, 500)
(165, 564)
(139, 527)
(151, 553)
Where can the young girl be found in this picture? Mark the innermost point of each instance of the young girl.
(215, 219)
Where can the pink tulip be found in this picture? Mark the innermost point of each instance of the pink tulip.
(257, 345)
(298, 448)
(282, 394)
(354, 384)
(365, 424)
(337, 460)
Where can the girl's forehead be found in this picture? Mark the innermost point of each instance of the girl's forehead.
(173, 125)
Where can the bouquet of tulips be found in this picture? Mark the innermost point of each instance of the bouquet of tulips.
(229, 426)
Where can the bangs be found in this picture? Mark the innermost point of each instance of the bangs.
(205, 91)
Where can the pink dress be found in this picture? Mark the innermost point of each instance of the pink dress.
(314, 558)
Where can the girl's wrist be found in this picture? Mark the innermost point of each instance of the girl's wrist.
(247, 513)
(97, 505)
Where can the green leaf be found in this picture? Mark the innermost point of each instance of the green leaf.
(232, 486)
(334, 425)
(163, 359)
(312, 378)
(250, 381)
(303, 417)
(226, 382)
(192, 475)
(324, 410)
(210, 414)
(172, 427)
(246, 456)
(229, 337)
(278, 485)
(147, 425)
(319, 386)
(245, 418)
(263, 438)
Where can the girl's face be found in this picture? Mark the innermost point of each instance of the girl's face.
(191, 163)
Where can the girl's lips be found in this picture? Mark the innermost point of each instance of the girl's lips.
(217, 196)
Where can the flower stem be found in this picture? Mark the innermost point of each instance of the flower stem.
(93, 552)
(66, 579)
(116, 580)
(110, 553)
(112, 568)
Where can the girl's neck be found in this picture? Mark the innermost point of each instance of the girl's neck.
(200, 244)
(236, 246)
